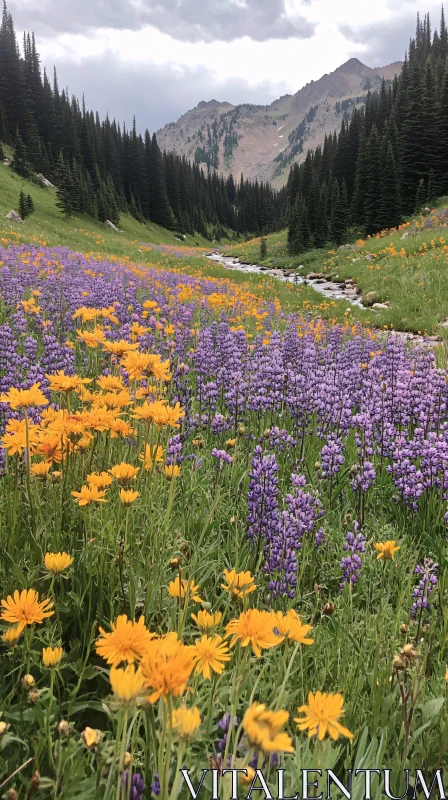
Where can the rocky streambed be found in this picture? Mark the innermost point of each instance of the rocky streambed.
(330, 289)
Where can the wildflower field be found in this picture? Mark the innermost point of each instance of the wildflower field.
(223, 537)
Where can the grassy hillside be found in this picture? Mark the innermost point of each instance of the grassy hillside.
(79, 233)
(406, 268)
(411, 274)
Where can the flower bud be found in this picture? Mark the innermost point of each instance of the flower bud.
(64, 728)
(127, 759)
(409, 652)
(3, 727)
(28, 681)
(398, 663)
(33, 695)
(403, 628)
(328, 609)
(174, 563)
(206, 605)
(317, 465)
(90, 737)
(12, 795)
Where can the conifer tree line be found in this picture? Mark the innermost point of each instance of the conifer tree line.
(101, 168)
(387, 161)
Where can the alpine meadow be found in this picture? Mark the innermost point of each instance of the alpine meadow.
(223, 426)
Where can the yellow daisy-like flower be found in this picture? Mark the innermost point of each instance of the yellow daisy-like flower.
(11, 636)
(24, 398)
(321, 716)
(110, 383)
(290, 626)
(51, 656)
(57, 562)
(127, 641)
(263, 728)
(246, 780)
(23, 608)
(172, 471)
(185, 721)
(167, 666)
(128, 497)
(179, 588)
(118, 349)
(211, 655)
(127, 684)
(99, 479)
(90, 737)
(160, 413)
(206, 621)
(239, 584)
(255, 628)
(41, 469)
(151, 455)
(60, 382)
(88, 495)
(124, 473)
(386, 550)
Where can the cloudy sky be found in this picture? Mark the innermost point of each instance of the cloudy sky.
(158, 58)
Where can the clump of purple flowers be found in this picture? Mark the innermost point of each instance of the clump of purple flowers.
(174, 450)
(355, 543)
(135, 791)
(224, 725)
(222, 457)
(426, 585)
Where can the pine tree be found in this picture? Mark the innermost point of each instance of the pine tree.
(321, 228)
(263, 248)
(389, 207)
(2, 153)
(30, 205)
(19, 162)
(160, 211)
(299, 236)
(64, 191)
(421, 196)
(373, 189)
(338, 219)
(23, 208)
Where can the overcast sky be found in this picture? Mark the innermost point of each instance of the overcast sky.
(159, 58)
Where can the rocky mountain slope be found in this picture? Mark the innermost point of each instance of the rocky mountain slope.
(264, 141)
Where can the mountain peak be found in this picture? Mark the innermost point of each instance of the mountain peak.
(211, 104)
(352, 65)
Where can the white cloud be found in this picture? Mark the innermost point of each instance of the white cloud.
(215, 64)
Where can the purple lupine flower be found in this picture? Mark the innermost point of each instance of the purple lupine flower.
(331, 457)
(224, 726)
(262, 498)
(174, 450)
(135, 791)
(155, 786)
(219, 424)
(351, 564)
(222, 457)
(426, 586)
(364, 476)
(303, 510)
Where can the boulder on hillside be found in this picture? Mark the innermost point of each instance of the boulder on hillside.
(14, 217)
(406, 235)
(44, 180)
